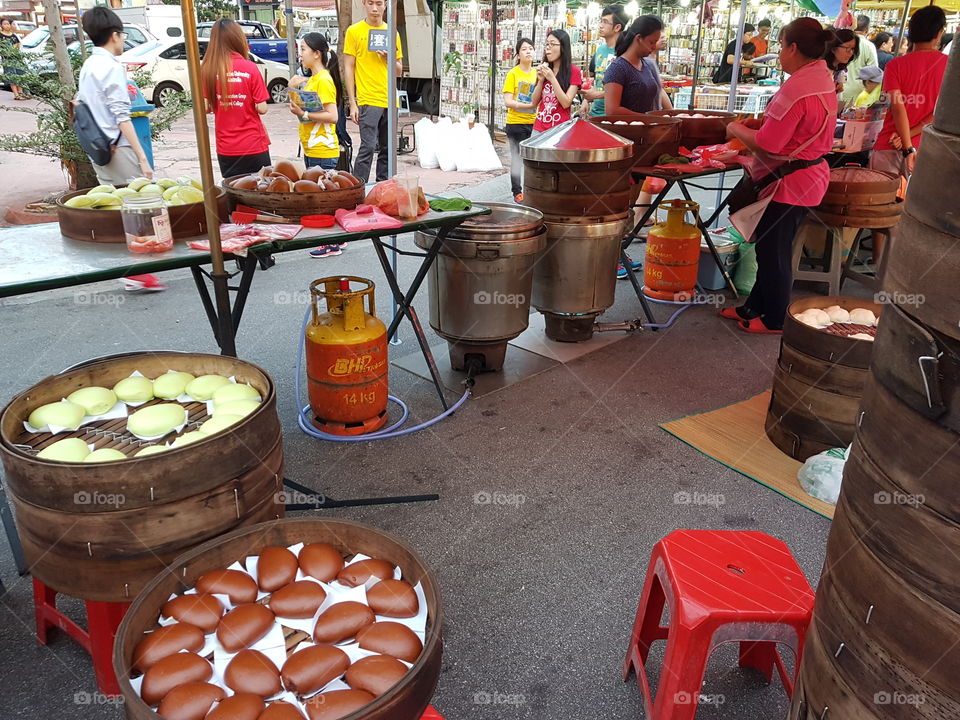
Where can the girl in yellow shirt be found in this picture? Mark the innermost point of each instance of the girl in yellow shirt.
(318, 128)
(518, 89)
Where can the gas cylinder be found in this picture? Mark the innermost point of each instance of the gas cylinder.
(673, 254)
(346, 353)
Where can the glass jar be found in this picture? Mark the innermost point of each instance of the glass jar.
(146, 224)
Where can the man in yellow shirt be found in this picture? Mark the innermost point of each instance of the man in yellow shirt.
(365, 67)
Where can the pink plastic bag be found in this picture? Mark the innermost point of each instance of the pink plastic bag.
(366, 217)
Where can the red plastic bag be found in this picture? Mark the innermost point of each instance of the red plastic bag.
(387, 195)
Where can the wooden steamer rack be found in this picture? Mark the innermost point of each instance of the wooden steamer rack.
(818, 382)
(293, 205)
(406, 700)
(172, 501)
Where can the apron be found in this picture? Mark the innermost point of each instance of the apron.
(761, 164)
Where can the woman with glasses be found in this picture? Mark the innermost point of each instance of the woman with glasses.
(558, 82)
(631, 85)
(842, 51)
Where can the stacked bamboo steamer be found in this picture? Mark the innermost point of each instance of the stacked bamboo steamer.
(860, 198)
(888, 607)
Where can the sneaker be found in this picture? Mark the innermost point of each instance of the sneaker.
(326, 251)
(518, 198)
(342, 246)
(143, 283)
(621, 272)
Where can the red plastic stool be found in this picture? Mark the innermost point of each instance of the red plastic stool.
(719, 586)
(103, 619)
(431, 714)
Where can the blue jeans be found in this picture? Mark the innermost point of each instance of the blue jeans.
(325, 163)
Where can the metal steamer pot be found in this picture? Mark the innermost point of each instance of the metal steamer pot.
(481, 284)
(578, 175)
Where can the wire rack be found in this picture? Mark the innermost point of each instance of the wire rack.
(744, 103)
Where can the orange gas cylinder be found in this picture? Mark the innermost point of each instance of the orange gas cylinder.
(673, 254)
(346, 349)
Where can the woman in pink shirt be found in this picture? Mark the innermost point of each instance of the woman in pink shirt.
(558, 82)
(787, 150)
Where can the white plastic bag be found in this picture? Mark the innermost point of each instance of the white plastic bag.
(449, 136)
(478, 153)
(822, 474)
(425, 133)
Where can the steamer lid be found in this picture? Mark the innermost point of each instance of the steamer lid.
(576, 141)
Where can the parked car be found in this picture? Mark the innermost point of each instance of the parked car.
(167, 64)
(264, 41)
(37, 42)
(22, 27)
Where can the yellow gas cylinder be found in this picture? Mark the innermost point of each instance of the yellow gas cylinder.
(673, 254)
(346, 353)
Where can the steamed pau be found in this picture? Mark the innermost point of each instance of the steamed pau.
(156, 420)
(95, 400)
(151, 450)
(189, 437)
(205, 386)
(233, 392)
(218, 423)
(64, 414)
(237, 407)
(134, 389)
(104, 455)
(172, 385)
(69, 450)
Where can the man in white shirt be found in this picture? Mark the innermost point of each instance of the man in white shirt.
(103, 88)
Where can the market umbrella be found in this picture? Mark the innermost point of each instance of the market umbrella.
(221, 292)
(826, 8)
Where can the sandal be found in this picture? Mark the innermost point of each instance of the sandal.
(756, 326)
(732, 314)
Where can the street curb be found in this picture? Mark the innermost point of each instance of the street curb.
(19, 216)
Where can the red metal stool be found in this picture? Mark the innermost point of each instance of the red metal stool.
(103, 619)
(719, 586)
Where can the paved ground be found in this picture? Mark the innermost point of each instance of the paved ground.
(540, 595)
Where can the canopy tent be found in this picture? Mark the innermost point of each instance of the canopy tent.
(948, 5)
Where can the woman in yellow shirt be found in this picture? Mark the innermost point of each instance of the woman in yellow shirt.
(518, 90)
(318, 128)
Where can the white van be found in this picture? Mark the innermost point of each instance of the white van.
(324, 22)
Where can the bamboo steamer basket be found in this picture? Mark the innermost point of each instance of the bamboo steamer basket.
(406, 700)
(818, 383)
(106, 226)
(658, 135)
(923, 262)
(293, 205)
(171, 501)
(859, 186)
(711, 129)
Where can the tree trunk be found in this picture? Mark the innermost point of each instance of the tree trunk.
(60, 55)
(344, 20)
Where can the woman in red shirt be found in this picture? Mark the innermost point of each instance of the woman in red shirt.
(237, 96)
(788, 149)
(558, 82)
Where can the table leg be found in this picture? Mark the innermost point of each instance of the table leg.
(249, 266)
(207, 302)
(318, 501)
(632, 277)
(709, 241)
(404, 305)
(629, 238)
